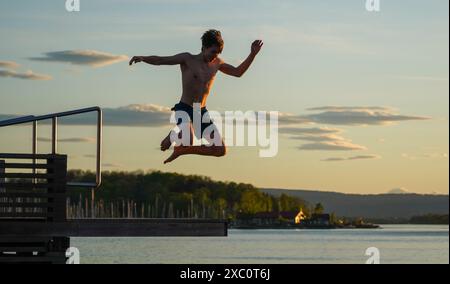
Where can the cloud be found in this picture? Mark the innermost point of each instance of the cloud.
(360, 157)
(364, 157)
(320, 138)
(408, 156)
(424, 156)
(357, 116)
(111, 165)
(146, 115)
(29, 75)
(323, 138)
(149, 115)
(9, 64)
(75, 140)
(91, 58)
(153, 115)
(105, 164)
(348, 115)
(332, 146)
(292, 119)
(314, 130)
(328, 139)
(334, 159)
(353, 108)
(435, 155)
(137, 115)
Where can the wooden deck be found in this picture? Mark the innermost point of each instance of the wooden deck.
(116, 228)
(33, 223)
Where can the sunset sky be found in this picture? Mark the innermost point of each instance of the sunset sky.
(363, 96)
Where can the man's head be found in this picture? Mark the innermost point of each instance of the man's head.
(212, 44)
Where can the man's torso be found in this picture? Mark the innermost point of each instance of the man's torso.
(197, 79)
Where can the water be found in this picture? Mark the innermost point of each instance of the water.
(396, 243)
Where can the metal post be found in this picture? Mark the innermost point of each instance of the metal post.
(92, 202)
(34, 146)
(54, 135)
(2, 179)
(99, 146)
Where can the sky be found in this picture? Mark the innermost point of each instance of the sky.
(362, 96)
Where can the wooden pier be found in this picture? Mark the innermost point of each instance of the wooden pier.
(33, 223)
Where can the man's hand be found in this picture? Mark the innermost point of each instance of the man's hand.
(256, 46)
(136, 59)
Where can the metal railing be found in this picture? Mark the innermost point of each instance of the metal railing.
(54, 117)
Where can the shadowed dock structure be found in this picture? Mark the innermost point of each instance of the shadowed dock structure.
(116, 228)
(33, 206)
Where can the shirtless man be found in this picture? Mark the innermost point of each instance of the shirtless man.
(198, 74)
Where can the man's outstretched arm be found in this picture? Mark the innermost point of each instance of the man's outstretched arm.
(161, 60)
(242, 68)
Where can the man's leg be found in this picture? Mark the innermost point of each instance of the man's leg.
(178, 109)
(204, 150)
(165, 144)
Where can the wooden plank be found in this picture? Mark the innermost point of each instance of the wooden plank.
(54, 206)
(33, 259)
(2, 170)
(34, 250)
(26, 204)
(59, 182)
(22, 249)
(27, 194)
(117, 228)
(25, 214)
(26, 156)
(26, 240)
(26, 175)
(24, 185)
(25, 166)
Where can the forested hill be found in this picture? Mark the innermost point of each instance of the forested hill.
(166, 195)
(374, 205)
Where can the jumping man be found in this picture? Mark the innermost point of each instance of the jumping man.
(198, 74)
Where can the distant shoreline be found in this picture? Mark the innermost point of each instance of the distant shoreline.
(290, 227)
(378, 226)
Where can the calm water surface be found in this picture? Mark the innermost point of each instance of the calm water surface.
(396, 243)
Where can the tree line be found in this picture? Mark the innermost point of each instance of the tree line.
(156, 194)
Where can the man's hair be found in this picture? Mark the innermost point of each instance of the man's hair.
(212, 37)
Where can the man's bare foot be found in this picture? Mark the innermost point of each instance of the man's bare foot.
(177, 151)
(165, 144)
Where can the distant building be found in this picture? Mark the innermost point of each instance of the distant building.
(289, 215)
(270, 218)
(318, 220)
(300, 217)
(257, 219)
